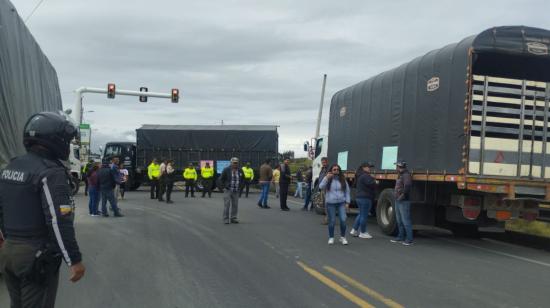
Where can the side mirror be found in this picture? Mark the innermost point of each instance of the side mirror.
(306, 146)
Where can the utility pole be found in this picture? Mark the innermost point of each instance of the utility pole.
(320, 114)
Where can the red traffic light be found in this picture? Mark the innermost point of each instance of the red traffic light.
(111, 89)
(175, 95)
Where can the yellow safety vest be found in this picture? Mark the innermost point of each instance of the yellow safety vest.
(153, 171)
(248, 173)
(207, 173)
(190, 174)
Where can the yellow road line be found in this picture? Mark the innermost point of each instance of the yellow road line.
(360, 286)
(336, 287)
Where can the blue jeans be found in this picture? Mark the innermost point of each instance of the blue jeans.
(299, 190)
(308, 196)
(364, 209)
(93, 203)
(108, 195)
(264, 194)
(331, 209)
(403, 217)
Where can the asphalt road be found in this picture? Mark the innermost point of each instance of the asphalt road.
(182, 255)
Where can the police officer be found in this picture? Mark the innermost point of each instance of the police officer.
(190, 176)
(37, 212)
(248, 178)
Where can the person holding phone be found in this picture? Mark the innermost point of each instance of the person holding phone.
(337, 198)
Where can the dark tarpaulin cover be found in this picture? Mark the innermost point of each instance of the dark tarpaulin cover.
(186, 143)
(28, 82)
(395, 108)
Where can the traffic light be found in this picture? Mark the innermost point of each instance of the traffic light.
(175, 95)
(143, 99)
(111, 89)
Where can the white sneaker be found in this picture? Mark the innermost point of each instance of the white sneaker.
(331, 241)
(365, 235)
(354, 232)
(343, 240)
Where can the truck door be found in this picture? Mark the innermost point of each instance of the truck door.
(509, 127)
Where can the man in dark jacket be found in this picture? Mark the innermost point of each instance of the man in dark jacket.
(232, 180)
(284, 182)
(108, 178)
(266, 175)
(403, 205)
(308, 180)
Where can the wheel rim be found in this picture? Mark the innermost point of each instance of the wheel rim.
(387, 213)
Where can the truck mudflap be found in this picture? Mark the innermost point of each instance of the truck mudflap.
(512, 208)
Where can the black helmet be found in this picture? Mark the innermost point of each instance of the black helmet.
(51, 130)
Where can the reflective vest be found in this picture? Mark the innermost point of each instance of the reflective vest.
(248, 173)
(207, 173)
(153, 171)
(190, 174)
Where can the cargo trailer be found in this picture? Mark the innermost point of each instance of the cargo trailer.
(192, 144)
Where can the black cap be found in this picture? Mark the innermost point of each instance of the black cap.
(401, 164)
(367, 164)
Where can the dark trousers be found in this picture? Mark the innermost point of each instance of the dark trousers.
(245, 187)
(162, 188)
(122, 187)
(207, 187)
(154, 188)
(94, 200)
(108, 195)
(85, 179)
(16, 259)
(283, 191)
(189, 185)
(169, 188)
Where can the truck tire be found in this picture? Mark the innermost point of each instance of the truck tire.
(385, 214)
(317, 201)
(465, 230)
(75, 185)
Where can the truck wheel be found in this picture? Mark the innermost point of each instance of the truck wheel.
(465, 230)
(385, 214)
(75, 185)
(317, 201)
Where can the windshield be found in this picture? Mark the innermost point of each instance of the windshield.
(318, 147)
(113, 150)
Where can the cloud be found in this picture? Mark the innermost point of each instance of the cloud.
(244, 61)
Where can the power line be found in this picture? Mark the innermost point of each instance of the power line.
(34, 10)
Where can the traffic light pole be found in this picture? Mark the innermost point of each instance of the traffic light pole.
(82, 90)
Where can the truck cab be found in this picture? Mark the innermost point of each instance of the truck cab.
(126, 152)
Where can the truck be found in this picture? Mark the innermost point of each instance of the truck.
(471, 119)
(192, 144)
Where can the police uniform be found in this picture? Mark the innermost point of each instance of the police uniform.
(36, 220)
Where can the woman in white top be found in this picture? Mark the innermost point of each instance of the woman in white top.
(123, 179)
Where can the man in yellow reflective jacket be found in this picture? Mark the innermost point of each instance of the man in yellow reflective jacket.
(207, 175)
(153, 172)
(248, 178)
(190, 176)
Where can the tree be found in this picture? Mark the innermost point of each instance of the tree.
(289, 154)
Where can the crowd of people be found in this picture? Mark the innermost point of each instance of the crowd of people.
(107, 184)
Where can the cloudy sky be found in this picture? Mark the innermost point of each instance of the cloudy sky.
(244, 61)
